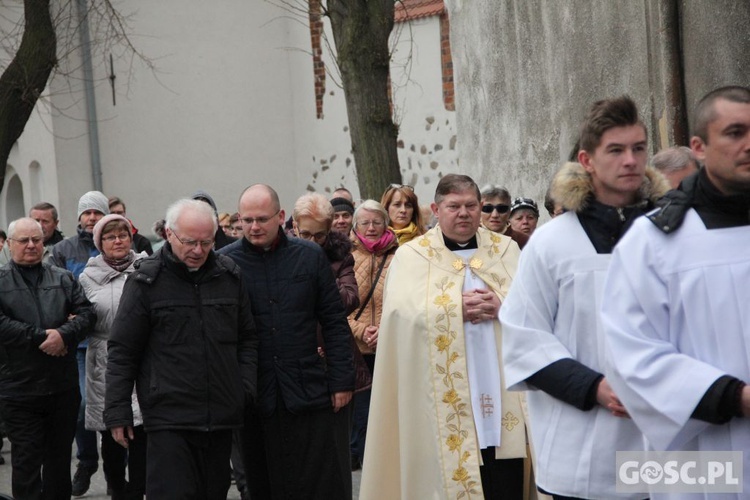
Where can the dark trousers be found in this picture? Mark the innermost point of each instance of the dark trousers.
(299, 455)
(85, 440)
(115, 459)
(501, 479)
(361, 403)
(41, 430)
(190, 465)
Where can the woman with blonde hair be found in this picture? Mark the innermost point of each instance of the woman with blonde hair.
(402, 206)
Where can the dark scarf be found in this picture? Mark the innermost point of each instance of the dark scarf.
(718, 210)
(120, 265)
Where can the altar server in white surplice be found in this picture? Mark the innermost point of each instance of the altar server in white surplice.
(677, 302)
(552, 342)
(441, 424)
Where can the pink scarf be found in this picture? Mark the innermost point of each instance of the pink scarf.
(381, 244)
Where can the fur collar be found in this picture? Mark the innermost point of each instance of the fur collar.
(572, 186)
(337, 246)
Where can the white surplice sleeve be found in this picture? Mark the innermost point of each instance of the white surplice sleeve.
(659, 385)
(528, 319)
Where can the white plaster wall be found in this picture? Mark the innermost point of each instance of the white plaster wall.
(427, 135)
(216, 114)
(428, 145)
(230, 103)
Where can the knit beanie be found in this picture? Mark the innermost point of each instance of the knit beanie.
(99, 227)
(93, 200)
(342, 205)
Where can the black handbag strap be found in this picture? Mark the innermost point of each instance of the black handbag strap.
(372, 289)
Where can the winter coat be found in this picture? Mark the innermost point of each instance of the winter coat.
(26, 312)
(572, 187)
(188, 341)
(338, 249)
(103, 287)
(74, 253)
(292, 289)
(365, 269)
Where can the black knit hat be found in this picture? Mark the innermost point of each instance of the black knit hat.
(342, 205)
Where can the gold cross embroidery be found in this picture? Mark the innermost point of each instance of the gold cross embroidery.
(510, 421)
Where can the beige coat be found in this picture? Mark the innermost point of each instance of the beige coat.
(365, 269)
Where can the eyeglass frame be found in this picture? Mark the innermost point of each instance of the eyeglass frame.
(112, 237)
(368, 223)
(204, 244)
(318, 237)
(259, 220)
(25, 241)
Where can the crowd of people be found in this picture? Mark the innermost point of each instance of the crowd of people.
(450, 352)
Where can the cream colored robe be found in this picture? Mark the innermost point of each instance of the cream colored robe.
(421, 439)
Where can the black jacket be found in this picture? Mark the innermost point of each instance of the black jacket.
(292, 289)
(26, 311)
(188, 341)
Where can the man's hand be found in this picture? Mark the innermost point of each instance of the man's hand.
(480, 305)
(340, 399)
(53, 345)
(745, 401)
(119, 435)
(606, 397)
(371, 336)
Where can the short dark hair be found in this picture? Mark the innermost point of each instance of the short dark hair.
(705, 112)
(44, 206)
(604, 115)
(455, 183)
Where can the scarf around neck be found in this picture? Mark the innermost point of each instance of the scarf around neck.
(120, 264)
(376, 246)
(406, 234)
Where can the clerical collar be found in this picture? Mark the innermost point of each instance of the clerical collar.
(454, 246)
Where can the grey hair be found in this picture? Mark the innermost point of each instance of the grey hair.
(178, 207)
(494, 191)
(371, 206)
(673, 159)
(12, 226)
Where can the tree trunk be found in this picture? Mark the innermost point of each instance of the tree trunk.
(361, 32)
(26, 76)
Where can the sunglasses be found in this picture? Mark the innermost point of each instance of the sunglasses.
(400, 186)
(501, 208)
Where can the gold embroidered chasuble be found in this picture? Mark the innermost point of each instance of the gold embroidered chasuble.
(421, 437)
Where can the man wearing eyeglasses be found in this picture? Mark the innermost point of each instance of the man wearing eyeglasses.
(43, 315)
(185, 332)
(297, 440)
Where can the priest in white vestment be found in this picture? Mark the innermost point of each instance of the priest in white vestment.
(441, 424)
(677, 302)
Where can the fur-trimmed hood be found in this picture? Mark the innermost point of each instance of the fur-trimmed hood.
(572, 186)
(337, 246)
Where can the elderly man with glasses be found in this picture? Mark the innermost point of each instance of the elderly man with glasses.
(43, 315)
(185, 332)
